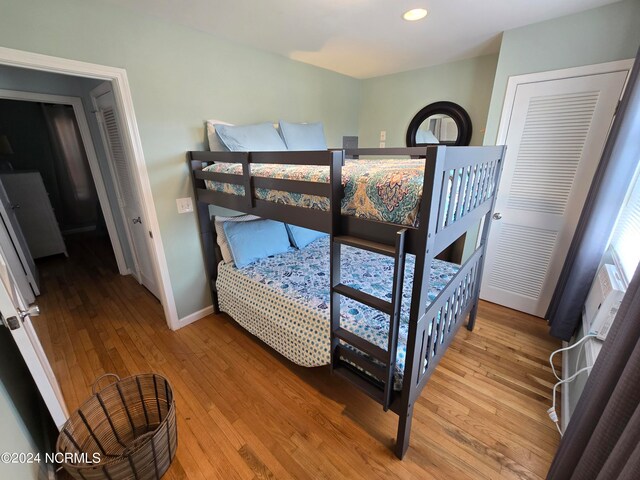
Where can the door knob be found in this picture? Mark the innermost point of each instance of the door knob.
(136, 220)
(31, 311)
(497, 216)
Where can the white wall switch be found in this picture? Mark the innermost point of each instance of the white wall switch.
(382, 144)
(383, 135)
(184, 205)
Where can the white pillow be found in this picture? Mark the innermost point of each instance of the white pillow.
(215, 144)
(227, 256)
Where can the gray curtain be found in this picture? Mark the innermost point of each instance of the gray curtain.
(79, 200)
(602, 440)
(606, 196)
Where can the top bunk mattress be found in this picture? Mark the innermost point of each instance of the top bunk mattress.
(384, 190)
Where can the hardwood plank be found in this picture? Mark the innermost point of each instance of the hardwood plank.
(246, 412)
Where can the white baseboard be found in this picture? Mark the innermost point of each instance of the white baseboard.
(184, 321)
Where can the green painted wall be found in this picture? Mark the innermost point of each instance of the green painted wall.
(22, 414)
(15, 438)
(180, 77)
(390, 102)
(595, 36)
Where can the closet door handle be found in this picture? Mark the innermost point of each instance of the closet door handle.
(136, 220)
(497, 216)
(15, 206)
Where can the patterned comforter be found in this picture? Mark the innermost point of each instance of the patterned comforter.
(284, 299)
(383, 190)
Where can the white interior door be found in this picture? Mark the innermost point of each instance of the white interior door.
(15, 316)
(15, 245)
(555, 138)
(129, 200)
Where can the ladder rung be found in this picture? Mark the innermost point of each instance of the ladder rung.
(376, 247)
(362, 297)
(357, 379)
(363, 345)
(359, 360)
(360, 380)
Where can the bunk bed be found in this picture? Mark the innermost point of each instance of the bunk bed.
(455, 193)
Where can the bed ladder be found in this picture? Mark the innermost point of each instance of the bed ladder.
(378, 362)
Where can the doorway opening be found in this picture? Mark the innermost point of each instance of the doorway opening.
(61, 171)
(61, 184)
(37, 66)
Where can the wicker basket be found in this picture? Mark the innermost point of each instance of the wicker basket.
(130, 426)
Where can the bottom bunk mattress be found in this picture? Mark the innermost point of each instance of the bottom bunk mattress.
(284, 300)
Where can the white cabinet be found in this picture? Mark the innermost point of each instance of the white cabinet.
(32, 207)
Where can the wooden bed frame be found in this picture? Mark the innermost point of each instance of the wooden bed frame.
(440, 223)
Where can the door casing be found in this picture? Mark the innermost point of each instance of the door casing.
(520, 80)
(133, 144)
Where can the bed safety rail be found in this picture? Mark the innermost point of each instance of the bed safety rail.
(445, 316)
(467, 192)
(310, 218)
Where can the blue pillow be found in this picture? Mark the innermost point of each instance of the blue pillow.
(301, 237)
(261, 137)
(303, 136)
(251, 241)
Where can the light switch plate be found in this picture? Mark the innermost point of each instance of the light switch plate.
(184, 205)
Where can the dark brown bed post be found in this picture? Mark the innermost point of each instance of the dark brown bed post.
(335, 177)
(421, 283)
(484, 235)
(207, 235)
(349, 142)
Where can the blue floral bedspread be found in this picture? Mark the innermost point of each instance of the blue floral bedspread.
(386, 190)
(284, 299)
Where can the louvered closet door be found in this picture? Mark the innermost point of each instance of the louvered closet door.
(556, 135)
(122, 171)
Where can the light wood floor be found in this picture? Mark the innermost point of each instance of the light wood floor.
(245, 412)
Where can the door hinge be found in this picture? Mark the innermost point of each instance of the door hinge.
(150, 234)
(615, 112)
(12, 323)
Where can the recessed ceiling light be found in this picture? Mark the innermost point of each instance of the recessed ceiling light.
(415, 14)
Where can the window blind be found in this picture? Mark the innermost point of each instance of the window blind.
(625, 240)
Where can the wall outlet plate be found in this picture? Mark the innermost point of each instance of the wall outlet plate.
(185, 205)
(383, 135)
(382, 144)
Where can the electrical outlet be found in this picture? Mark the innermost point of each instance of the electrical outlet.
(383, 135)
(382, 144)
(184, 205)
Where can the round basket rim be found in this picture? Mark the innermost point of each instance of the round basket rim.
(162, 424)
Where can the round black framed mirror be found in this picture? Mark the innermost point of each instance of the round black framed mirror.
(440, 123)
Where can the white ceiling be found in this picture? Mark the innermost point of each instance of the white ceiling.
(362, 38)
